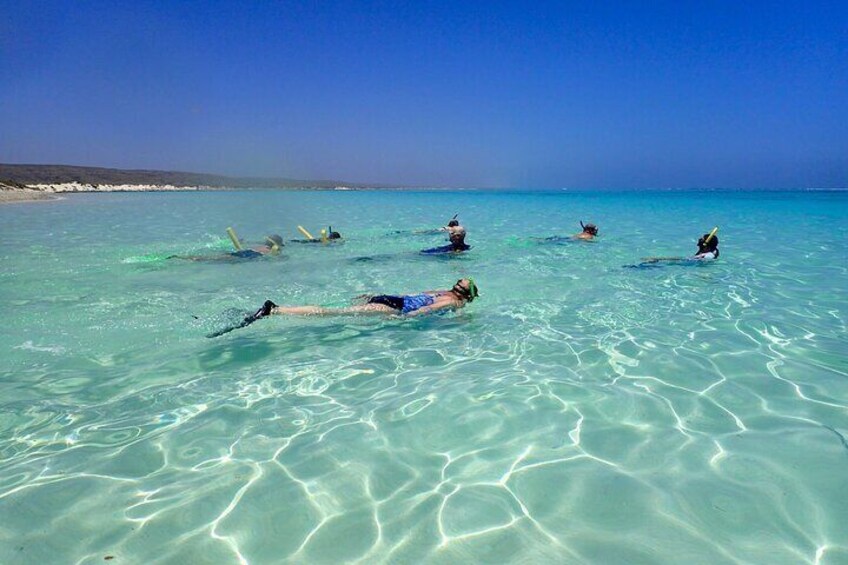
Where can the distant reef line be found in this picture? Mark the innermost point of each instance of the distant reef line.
(70, 178)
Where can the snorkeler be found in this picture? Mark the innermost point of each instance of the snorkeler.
(456, 234)
(452, 223)
(271, 246)
(463, 292)
(708, 246)
(590, 231)
(707, 251)
(331, 236)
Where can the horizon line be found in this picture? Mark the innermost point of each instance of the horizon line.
(359, 185)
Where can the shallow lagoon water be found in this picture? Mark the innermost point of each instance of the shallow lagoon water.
(578, 412)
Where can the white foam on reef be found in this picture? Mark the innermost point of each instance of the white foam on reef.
(83, 187)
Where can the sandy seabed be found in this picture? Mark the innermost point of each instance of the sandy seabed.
(49, 191)
(9, 196)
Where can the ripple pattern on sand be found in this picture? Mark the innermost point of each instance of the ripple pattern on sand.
(580, 412)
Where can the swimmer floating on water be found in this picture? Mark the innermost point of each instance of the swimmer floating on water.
(271, 247)
(707, 251)
(427, 302)
(331, 236)
(452, 223)
(457, 245)
(590, 231)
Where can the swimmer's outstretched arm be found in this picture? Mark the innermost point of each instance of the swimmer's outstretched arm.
(434, 308)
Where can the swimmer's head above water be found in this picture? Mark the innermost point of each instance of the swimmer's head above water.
(708, 243)
(457, 235)
(466, 289)
(457, 238)
(333, 234)
(589, 228)
(274, 243)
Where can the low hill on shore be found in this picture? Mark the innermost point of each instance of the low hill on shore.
(20, 175)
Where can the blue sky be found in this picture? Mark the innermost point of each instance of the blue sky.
(524, 94)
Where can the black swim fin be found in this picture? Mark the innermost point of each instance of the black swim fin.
(261, 313)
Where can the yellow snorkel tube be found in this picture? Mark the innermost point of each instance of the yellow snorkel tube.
(712, 233)
(305, 233)
(234, 238)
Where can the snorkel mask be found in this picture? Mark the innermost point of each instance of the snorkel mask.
(589, 228)
(708, 241)
(274, 242)
(470, 293)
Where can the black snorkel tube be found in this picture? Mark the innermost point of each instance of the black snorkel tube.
(589, 228)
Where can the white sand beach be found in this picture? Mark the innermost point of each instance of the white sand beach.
(82, 187)
(34, 192)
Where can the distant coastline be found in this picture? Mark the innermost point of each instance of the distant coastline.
(34, 175)
(21, 183)
(43, 191)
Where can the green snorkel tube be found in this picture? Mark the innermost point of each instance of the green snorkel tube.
(472, 290)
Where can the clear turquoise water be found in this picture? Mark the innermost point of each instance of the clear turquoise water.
(579, 412)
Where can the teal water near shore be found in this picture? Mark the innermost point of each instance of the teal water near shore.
(578, 412)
